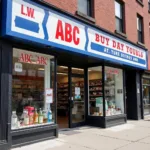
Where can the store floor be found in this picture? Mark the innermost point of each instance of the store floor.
(62, 122)
(135, 135)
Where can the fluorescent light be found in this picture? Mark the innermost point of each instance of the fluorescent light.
(77, 69)
(63, 67)
(62, 73)
(41, 69)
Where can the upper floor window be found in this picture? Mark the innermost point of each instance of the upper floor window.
(85, 7)
(149, 5)
(140, 29)
(119, 16)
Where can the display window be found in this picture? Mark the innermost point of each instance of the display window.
(95, 91)
(114, 99)
(146, 96)
(32, 89)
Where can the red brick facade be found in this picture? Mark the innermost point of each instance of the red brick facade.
(104, 14)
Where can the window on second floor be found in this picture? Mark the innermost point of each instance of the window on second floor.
(140, 29)
(149, 5)
(119, 10)
(85, 7)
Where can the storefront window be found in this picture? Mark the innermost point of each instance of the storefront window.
(32, 89)
(95, 91)
(114, 91)
(146, 96)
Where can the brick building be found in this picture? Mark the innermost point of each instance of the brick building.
(71, 63)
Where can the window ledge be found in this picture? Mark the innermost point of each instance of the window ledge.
(141, 3)
(121, 34)
(85, 16)
(141, 44)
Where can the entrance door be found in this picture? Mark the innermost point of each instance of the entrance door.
(77, 101)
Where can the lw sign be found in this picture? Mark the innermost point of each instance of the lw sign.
(30, 21)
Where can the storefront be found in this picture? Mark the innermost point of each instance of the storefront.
(60, 72)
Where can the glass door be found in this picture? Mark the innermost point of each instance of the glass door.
(77, 101)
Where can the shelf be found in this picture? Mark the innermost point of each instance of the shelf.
(96, 85)
(96, 96)
(95, 90)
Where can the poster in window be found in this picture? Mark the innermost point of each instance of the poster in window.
(49, 95)
(77, 93)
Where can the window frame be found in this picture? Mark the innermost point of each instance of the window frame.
(140, 34)
(89, 9)
(121, 20)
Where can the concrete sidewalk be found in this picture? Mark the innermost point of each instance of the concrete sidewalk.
(135, 135)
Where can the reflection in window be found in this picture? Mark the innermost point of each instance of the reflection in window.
(84, 6)
(114, 102)
(32, 89)
(119, 16)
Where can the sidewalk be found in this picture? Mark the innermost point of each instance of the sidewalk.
(135, 135)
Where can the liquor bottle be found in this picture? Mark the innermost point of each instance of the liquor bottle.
(14, 120)
(40, 117)
(26, 118)
(49, 114)
(45, 116)
(36, 117)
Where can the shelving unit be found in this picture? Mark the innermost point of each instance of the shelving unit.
(62, 96)
(95, 90)
(27, 89)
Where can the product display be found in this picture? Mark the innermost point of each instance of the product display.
(32, 89)
(114, 91)
(95, 97)
(31, 117)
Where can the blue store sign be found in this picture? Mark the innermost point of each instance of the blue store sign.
(27, 20)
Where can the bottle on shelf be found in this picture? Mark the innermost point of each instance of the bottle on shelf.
(14, 120)
(36, 117)
(45, 117)
(49, 114)
(40, 116)
(26, 118)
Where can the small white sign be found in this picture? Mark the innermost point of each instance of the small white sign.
(77, 90)
(18, 67)
(49, 95)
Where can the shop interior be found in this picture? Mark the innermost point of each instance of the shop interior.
(114, 102)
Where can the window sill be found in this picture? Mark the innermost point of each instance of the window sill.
(141, 3)
(141, 44)
(121, 34)
(78, 13)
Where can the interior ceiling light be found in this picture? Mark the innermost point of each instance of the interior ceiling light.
(63, 67)
(62, 73)
(77, 69)
(41, 69)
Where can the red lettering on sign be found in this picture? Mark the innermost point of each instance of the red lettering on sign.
(96, 37)
(25, 58)
(75, 38)
(114, 44)
(103, 40)
(70, 33)
(41, 60)
(27, 11)
(22, 10)
(59, 31)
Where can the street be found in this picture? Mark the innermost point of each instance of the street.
(135, 135)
